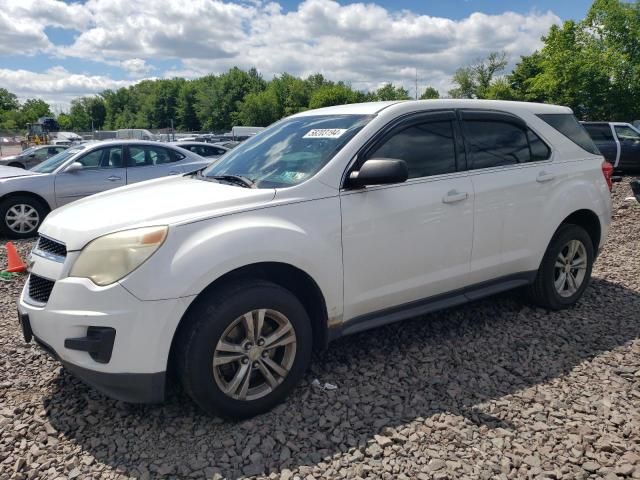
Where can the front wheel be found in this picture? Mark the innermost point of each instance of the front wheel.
(565, 270)
(244, 348)
(20, 216)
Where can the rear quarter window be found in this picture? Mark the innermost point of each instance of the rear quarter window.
(567, 125)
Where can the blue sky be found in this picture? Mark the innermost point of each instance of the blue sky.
(75, 48)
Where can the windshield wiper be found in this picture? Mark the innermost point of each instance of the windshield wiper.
(237, 179)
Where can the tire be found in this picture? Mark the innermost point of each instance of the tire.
(544, 291)
(31, 206)
(17, 165)
(213, 318)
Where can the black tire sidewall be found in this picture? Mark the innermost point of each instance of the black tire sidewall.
(212, 320)
(565, 234)
(6, 204)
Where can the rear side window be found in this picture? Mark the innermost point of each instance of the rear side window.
(599, 133)
(539, 149)
(427, 148)
(567, 125)
(494, 144)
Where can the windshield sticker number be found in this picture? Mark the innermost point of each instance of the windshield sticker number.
(325, 133)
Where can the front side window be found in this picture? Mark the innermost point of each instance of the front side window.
(427, 149)
(495, 144)
(110, 157)
(290, 151)
(627, 134)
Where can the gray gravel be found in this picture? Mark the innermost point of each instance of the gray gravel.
(494, 389)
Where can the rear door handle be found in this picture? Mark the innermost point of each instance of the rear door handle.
(113, 178)
(454, 196)
(545, 177)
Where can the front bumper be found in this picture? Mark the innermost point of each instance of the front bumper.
(129, 363)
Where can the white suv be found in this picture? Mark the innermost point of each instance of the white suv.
(327, 223)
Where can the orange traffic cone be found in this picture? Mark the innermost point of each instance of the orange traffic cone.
(14, 262)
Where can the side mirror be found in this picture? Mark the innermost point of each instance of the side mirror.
(32, 155)
(74, 167)
(379, 171)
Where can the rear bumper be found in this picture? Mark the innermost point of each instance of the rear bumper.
(127, 387)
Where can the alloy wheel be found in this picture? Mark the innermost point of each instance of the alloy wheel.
(570, 268)
(254, 354)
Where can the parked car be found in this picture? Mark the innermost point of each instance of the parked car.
(203, 149)
(328, 223)
(230, 145)
(619, 143)
(27, 196)
(32, 156)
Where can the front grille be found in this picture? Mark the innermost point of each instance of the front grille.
(40, 288)
(47, 245)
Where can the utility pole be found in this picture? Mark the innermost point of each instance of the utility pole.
(416, 83)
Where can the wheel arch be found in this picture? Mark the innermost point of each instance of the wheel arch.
(35, 196)
(297, 281)
(588, 220)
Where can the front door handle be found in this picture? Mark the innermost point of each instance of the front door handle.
(545, 177)
(113, 178)
(454, 196)
(173, 172)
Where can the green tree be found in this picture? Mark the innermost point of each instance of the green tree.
(391, 92)
(338, 94)
(429, 93)
(186, 116)
(33, 109)
(8, 101)
(474, 81)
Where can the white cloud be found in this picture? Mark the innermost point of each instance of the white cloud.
(56, 85)
(363, 43)
(136, 67)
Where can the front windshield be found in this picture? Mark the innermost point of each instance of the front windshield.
(290, 151)
(50, 164)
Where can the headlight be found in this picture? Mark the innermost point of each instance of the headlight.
(107, 259)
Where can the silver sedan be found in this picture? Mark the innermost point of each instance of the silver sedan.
(26, 196)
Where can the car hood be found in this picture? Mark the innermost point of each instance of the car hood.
(166, 201)
(10, 172)
(8, 158)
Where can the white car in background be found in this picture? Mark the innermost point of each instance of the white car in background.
(328, 223)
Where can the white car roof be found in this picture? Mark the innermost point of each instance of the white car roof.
(371, 108)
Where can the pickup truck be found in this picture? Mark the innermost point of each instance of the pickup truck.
(618, 142)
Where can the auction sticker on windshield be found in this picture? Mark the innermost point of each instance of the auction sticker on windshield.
(325, 133)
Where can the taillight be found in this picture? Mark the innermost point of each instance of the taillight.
(607, 171)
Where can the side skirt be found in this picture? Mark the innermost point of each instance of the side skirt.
(432, 304)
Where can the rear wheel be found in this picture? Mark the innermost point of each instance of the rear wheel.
(565, 271)
(244, 348)
(20, 216)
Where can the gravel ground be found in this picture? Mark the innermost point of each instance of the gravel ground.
(494, 389)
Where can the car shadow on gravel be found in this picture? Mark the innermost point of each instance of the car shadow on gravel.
(453, 361)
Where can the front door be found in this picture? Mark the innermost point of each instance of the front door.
(409, 241)
(629, 147)
(103, 169)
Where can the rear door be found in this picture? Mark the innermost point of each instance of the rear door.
(103, 169)
(629, 147)
(150, 161)
(512, 174)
